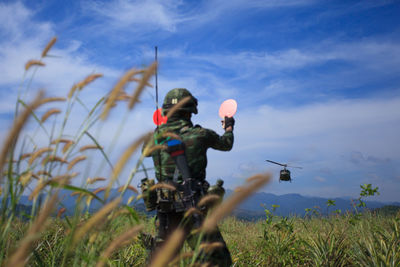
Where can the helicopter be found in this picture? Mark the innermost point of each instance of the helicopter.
(285, 173)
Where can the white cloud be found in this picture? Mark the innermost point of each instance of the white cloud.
(139, 15)
(167, 15)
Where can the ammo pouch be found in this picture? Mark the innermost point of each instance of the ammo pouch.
(165, 200)
(149, 197)
(168, 200)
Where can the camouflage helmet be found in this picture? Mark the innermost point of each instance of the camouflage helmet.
(176, 95)
(220, 182)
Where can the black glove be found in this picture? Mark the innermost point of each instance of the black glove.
(229, 121)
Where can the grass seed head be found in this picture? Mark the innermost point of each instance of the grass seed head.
(87, 147)
(130, 187)
(190, 212)
(209, 247)
(96, 179)
(16, 128)
(61, 140)
(38, 153)
(20, 256)
(178, 106)
(67, 146)
(95, 219)
(50, 112)
(117, 243)
(149, 72)
(125, 157)
(52, 99)
(209, 200)
(162, 186)
(53, 158)
(33, 62)
(169, 249)
(49, 46)
(227, 206)
(115, 92)
(75, 161)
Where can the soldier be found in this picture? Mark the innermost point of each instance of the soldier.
(170, 210)
(217, 189)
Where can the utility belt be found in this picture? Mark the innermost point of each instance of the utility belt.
(167, 200)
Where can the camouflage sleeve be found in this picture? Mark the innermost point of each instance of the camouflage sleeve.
(224, 142)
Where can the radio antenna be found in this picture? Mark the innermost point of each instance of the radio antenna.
(156, 74)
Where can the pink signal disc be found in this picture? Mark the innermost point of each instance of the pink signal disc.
(228, 108)
(158, 118)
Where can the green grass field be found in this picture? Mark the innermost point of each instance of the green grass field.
(372, 240)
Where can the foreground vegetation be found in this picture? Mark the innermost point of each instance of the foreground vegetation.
(50, 154)
(374, 240)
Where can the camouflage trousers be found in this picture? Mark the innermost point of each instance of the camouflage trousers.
(170, 221)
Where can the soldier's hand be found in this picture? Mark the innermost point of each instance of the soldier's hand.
(228, 123)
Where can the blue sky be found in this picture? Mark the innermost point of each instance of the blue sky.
(317, 82)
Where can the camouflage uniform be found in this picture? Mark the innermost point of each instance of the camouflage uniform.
(197, 140)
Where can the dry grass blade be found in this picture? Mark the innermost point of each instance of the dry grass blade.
(49, 113)
(75, 161)
(117, 243)
(89, 147)
(33, 62)
(209, 200)
(16, 129)
(162, 185)
(49, 46)
(125, 157)
(95, 219)
(179, 105)
(20, 256)
(115, 92)
(227, 206)
(142, 84)
(96, 179)
(38, 153)
(52, 99)
(169, 250)
(130, 187)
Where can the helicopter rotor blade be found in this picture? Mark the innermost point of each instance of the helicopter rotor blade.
(284, 165)
(294, 167)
